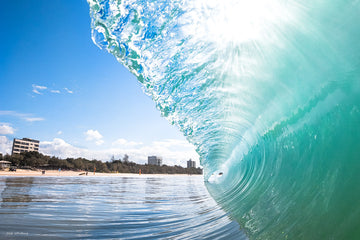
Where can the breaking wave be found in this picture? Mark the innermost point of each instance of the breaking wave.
(267, 91)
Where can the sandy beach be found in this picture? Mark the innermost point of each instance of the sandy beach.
(29, 173)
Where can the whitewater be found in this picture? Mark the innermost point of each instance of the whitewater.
(269, 94)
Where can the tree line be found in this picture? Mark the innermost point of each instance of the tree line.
(39, 161)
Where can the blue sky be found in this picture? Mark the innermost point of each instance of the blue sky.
(58, 87)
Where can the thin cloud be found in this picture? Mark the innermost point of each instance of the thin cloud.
(68, 91)
(33, 119)
(24, 116)
(6, 129)
(124, 142)
(38, 89)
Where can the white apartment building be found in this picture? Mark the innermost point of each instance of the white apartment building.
(25, 145)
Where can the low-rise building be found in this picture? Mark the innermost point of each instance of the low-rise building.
(154, 160)
(191, 164)
(25, 145)
(4, 164)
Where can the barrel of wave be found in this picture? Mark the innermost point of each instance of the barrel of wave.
(299, 184)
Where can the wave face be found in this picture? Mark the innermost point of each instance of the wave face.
(268, 92)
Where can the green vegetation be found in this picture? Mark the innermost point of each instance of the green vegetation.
(40, 161)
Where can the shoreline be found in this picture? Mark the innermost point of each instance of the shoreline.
(69, 173)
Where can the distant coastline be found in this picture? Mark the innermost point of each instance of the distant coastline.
(38, 162)
(69, 173)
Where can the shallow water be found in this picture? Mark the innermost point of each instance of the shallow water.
(145, 207)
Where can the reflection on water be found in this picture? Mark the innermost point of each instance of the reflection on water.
(15, 193)
(146, 207)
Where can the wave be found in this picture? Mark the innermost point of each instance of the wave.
(269, 94)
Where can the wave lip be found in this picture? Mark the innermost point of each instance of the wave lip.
(268, 94)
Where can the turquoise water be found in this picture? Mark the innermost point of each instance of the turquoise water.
(269, 94)
(146, 207)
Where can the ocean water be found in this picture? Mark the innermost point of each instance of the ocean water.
(269, 94)
(145, 207)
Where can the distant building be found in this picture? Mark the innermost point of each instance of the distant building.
(4, 164)
(191, 164)
(25, 145)
(154, 160)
